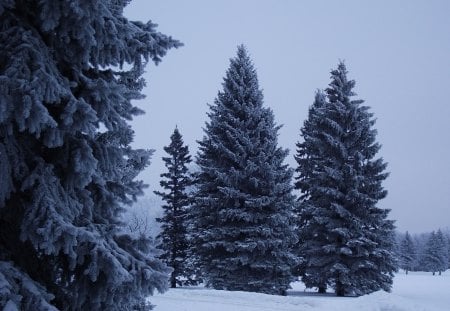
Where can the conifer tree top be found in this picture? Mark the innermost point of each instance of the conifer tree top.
(241, 80)
(340, 87)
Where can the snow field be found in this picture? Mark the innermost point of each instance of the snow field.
(418, 291)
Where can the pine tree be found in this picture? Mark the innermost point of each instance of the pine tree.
(174, 235)
(430, 257)
(448, 251)
(407, 253)
(68, 73)
(244, 204)
(311, 274)
(420, 242)
(443, 251)
(435, 253)
(346, 241)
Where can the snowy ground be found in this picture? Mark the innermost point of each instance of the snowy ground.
(418, 291)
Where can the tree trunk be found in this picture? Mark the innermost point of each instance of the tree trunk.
(340, 291)
(322, 289)
(173, 281)
(406, 272)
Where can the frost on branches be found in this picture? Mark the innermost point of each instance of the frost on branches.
(346, 241)
(407, 257)
(174, 237)
(435, 253)
(67, 70)
(242, 218)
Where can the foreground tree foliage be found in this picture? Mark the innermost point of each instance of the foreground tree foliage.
(65, 157)
(243, 226)
(174, 233)
(346, 241)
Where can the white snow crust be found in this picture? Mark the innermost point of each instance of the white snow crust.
(417, 291)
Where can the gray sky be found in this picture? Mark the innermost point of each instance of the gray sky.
(397, 51)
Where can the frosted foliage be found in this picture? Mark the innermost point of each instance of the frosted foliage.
(407, 253)
(242, 217)
(64, 181)
(435, 253)
(346, 241)
(174, 239)
(19, 292)
(448, 252)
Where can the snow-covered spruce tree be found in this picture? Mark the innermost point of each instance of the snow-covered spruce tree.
(311, 275)
(66, 164)
(407, 253)
(345, 240)
(173, 236)
(435, 253)
(244, 205)
(448, 251)
(443, 250)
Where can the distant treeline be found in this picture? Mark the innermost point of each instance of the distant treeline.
(429, 251)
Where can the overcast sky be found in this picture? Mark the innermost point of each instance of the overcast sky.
(397, 51)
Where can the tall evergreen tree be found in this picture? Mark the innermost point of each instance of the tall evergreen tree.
(173, 234)
(65, 157)
(312, 275)
(407, 253)
(435, 253)
(346, 241)
(244, 203)
(448, 251)
(443, 250)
